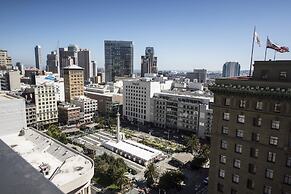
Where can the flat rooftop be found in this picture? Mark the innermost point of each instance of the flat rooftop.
(18, 176)
(65, 165)
(136, 149)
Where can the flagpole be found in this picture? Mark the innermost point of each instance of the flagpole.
(252, 53)
(266, 49)
(275, 52)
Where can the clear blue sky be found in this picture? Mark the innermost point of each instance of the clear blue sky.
(186, 34)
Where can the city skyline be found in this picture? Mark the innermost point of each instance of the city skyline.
(185, 35)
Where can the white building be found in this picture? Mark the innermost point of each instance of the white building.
(137, 94)
(12, 113)
(185, 111)
(89, 108)
(45, 104)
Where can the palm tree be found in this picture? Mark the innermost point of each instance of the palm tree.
(192, 144)
(151, 174)
(122, 181)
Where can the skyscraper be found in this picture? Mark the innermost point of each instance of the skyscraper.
(73, 82)
(64, 54)
(37, 54)
(118, 59)
(20, 68)
(94, 68)
(149, 62)
(84, 62)
(52, 62)
(231, 69)
(250, 141)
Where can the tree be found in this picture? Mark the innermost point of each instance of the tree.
(198, 162)
(121, 181)
(171, 180)
(57, 134)
(151, 174)
(192, 144)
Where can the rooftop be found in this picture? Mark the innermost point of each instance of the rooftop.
(74, 67)
(64, 165)
(139, 150)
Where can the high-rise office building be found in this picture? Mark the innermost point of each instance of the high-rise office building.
(231, 69)
(73, 82)
(20, 67)
(52, 62)
(65, 53)
(5, 60)
(200, 75)
(250, 141)
(118, 59)
(84, 62)
(149, 62)
(94, 68)
(37, 54)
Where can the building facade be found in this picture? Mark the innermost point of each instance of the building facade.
(250, 142)
(200, 75)
(137, 96)
(118, 59)
(149, 63)
(68, 114)
(52, 62)
(45, 104)
(5, 60)
(30, 110)
(88, 108)
(37, 55)
(231, 69)
(73, 82)
(84, 62)
(68, 56)
(182, 111)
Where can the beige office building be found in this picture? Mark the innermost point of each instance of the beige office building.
(251, 132)
(73, 82)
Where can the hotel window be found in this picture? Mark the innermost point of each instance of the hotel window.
(235, 178)
(254, 152)
(271, 157)
(242, 103)
(227, 102)
(259, 105)
(277, 107)
(239, 133)
(269, 173)
(258, 121)
(273, 140)
(222, 159)
(256, 137)
(283, 75)
(287, 179)
(241, 118)
(250, 184)
(275, 124)
(252, 168)
(223, 144)
(267, 190)
(236, 163)
(288, 162)
(224, 130)
(221, 173)
(226, 116)
(238, 148)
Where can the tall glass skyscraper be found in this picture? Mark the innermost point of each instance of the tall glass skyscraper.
(118, 59)
(231, 69)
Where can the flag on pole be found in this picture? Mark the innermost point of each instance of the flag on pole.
(283, 49)
(257, 39)
(271, 45)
